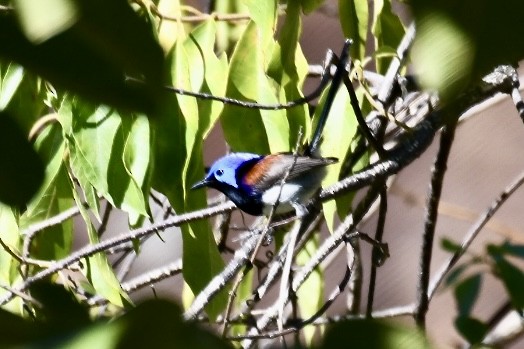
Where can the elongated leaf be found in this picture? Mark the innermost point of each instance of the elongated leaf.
(354, 18)
(169, 31)
(512, 249)
(11, 75)
(466, 293)
(228, 34)
(511, 276)
(136, 156)
(212, 79)
(27, 105)
(54, 197)
(178, 158)
(10, 235)
(247, 81)
(98, 271)
(264, 14)
(93, 55)
(97, 143)
(387, 29)
(472, 329)
(288, 69)
(311, 295)
(340, 129)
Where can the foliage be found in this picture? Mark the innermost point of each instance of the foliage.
(89, 115)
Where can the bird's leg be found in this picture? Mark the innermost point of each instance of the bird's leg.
(300, 209)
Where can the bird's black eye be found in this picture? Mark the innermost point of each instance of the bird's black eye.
(219, 173)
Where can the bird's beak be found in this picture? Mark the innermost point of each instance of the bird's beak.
(203, 183)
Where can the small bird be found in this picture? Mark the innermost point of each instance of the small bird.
(253, 182)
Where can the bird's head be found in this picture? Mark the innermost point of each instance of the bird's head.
(225, 171)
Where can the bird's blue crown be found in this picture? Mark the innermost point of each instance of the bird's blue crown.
(224, 170)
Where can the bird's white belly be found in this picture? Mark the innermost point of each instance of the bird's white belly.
(290, 194)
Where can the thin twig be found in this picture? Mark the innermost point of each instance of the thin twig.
(355, 283)
(473, 232)
(105, 219)
(333, 89)
(90, 250)
(22, 295)
(346, 228)
(437, 179)
(219, 17)
(245, 104)
(276, 268)
(384, 95)
(33, 229)
(381, 222)
(262, 237)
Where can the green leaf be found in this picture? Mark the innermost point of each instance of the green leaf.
(27, 104)
(103, 154)
(178, 131)
(460, 41)
(264, 14)
(22, 170)
(162, 321)
(98, 271)
(214, 74)
(288, 70)
(455, 274)
(248, 81)
(10, 235)
(11, 75)
(100, 336)
(471, 329)
(387, 30)
(54, 196)
(511, 276)
(228, 33)
(449, 245)
(136, 157)
(466, 293)
(311, 295)
(373, 334)
(354, 18)
(341, 127)
(43, 19)
(93, 56)
(443, 55)
(512, 249)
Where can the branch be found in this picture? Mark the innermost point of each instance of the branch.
(342, 232)
(435, 191)
(473, 232)
(326, 77)
(90, 250)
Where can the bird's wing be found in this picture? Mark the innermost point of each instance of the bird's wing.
(270, 171)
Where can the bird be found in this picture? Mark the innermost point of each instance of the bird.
(254, 182)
